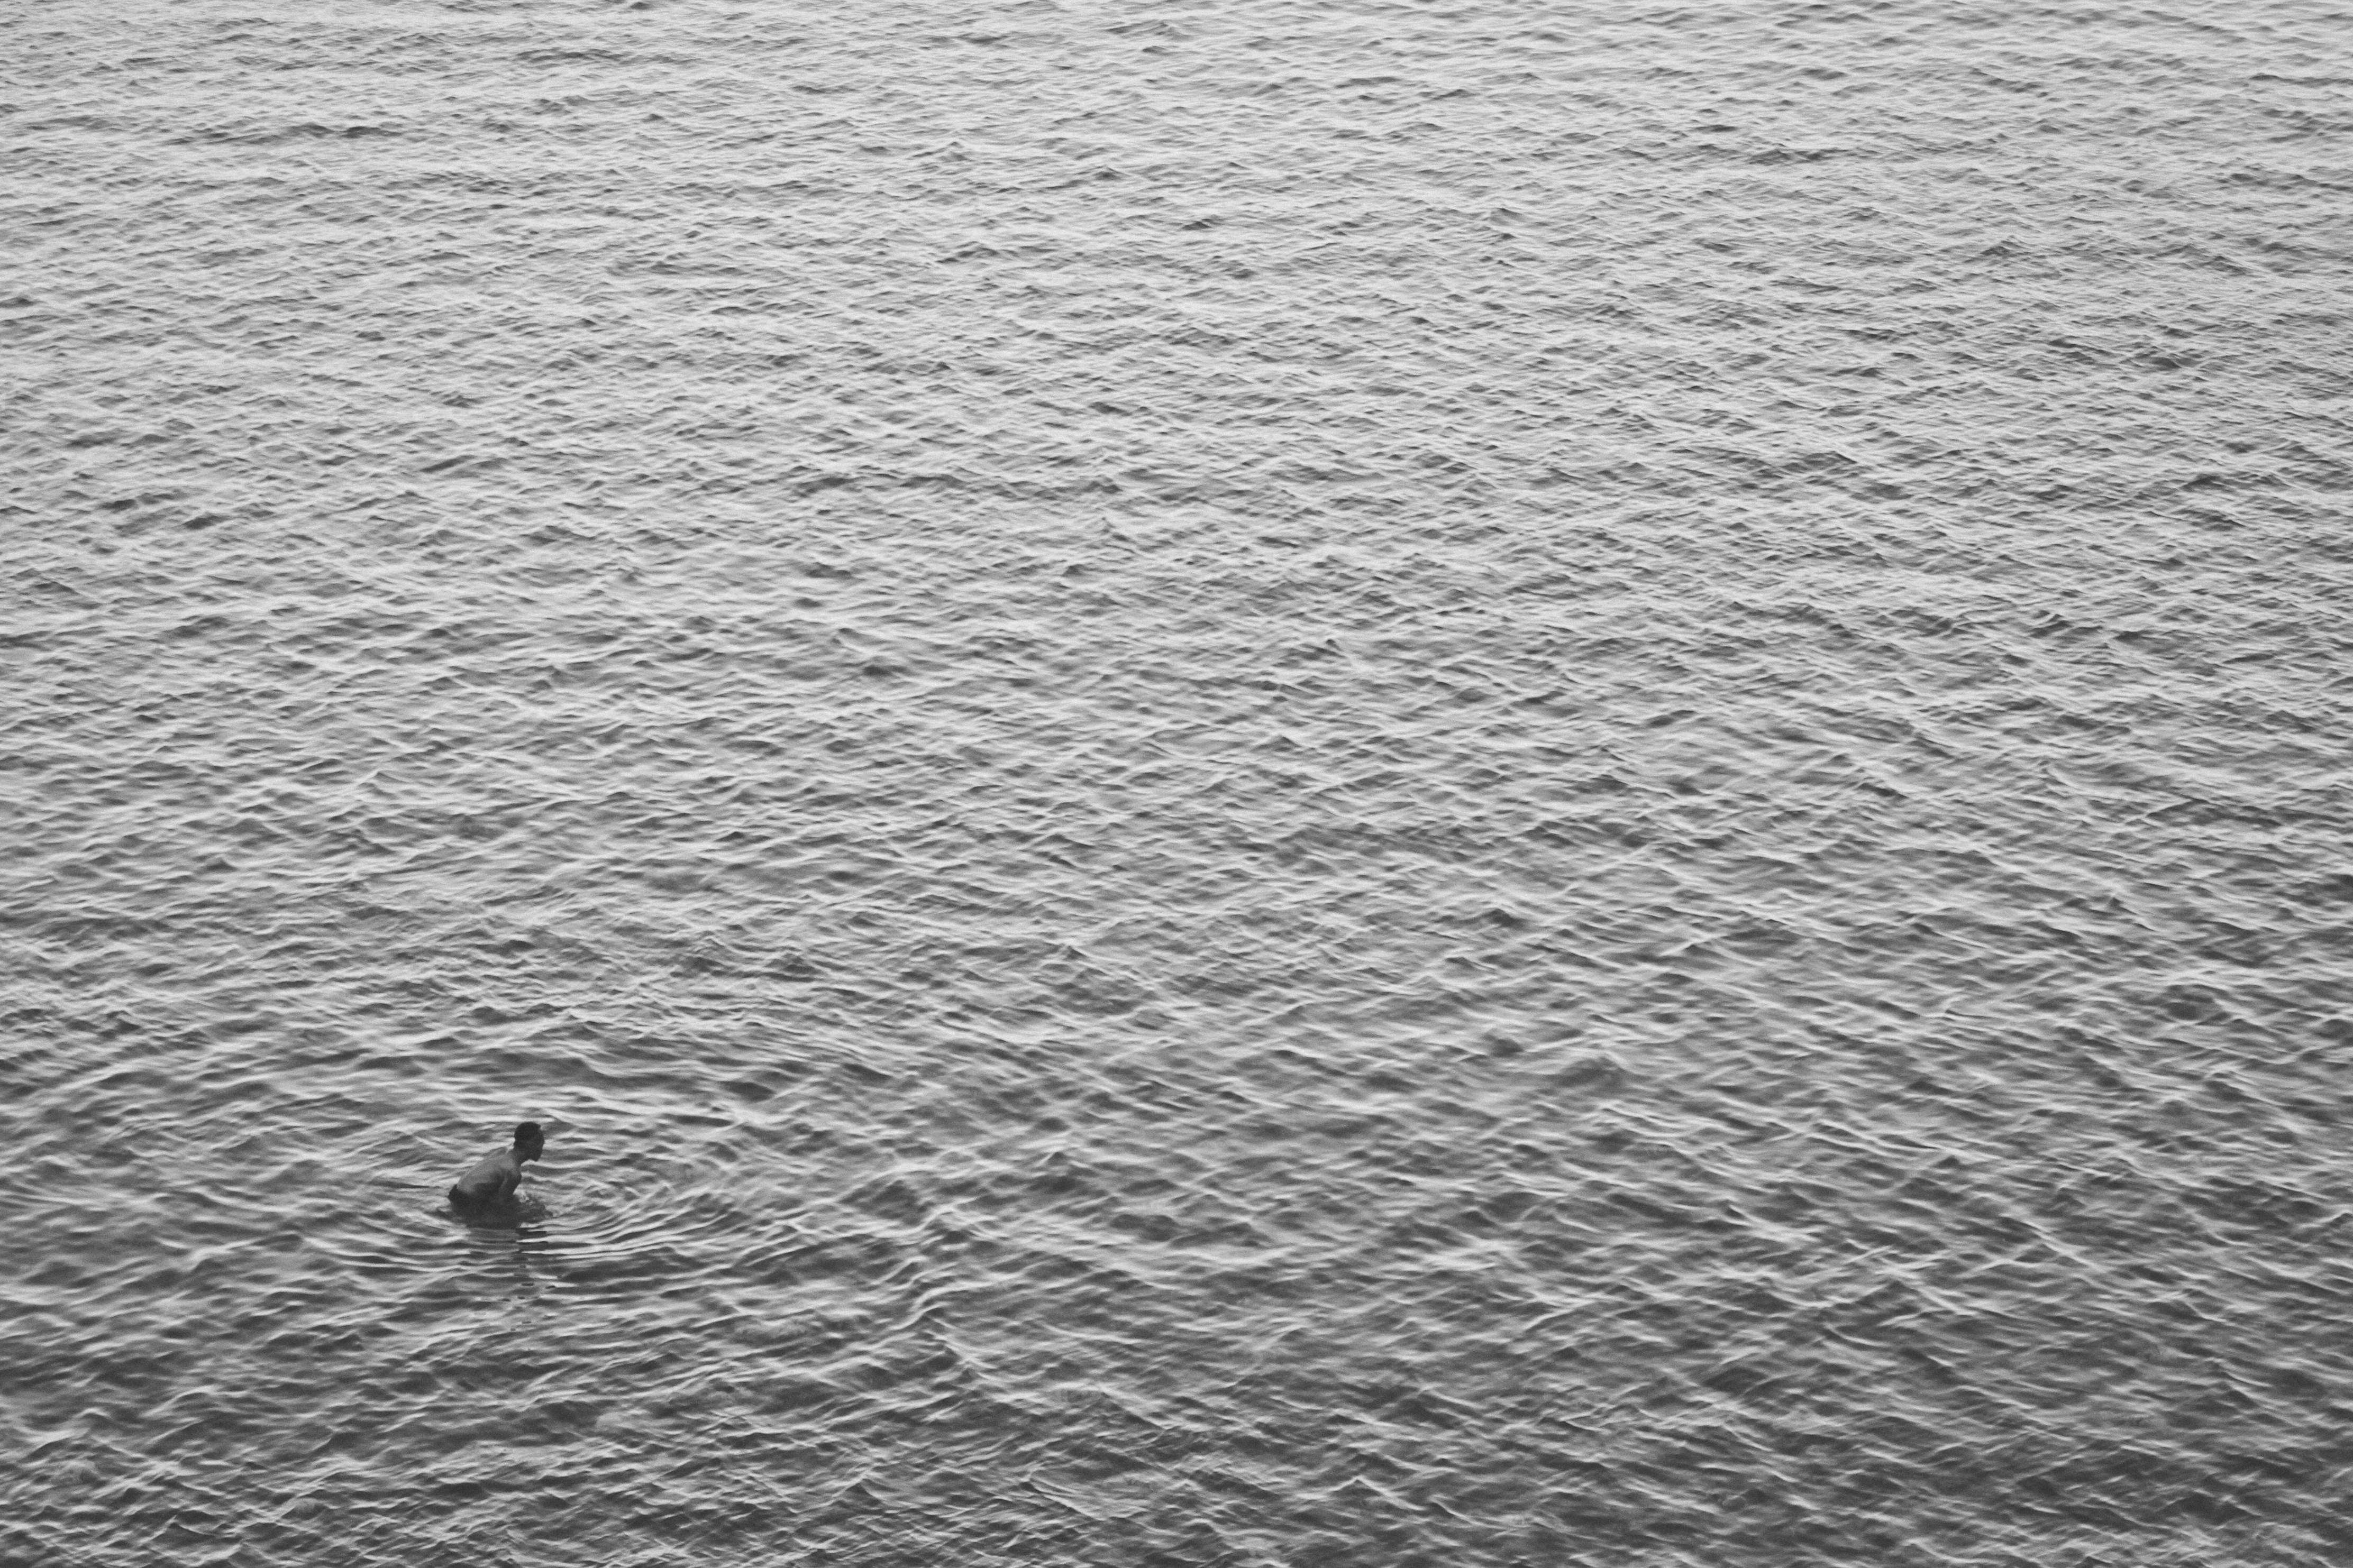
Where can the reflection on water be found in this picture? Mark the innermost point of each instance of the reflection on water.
(1249, 785)
(515, 1243)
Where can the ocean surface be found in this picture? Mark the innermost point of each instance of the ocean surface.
(1277, 785)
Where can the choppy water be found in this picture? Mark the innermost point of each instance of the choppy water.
(1251, 784)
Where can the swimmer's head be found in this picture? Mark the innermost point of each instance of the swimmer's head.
(528, 1138)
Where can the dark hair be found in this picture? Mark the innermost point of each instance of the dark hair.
(525, 1131)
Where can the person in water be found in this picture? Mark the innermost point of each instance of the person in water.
(493, 1182)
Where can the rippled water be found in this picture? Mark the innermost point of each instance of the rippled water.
(1273, 784)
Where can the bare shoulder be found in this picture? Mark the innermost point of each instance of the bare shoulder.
(491, 1171)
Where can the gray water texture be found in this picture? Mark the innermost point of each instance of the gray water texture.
(1250, 783)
